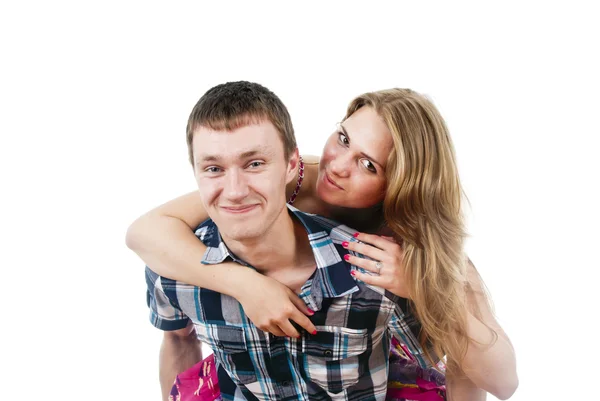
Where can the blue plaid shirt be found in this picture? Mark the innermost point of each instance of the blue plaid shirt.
(346, 360)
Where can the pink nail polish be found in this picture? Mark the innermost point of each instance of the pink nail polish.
(314, 332)
(345, 244)
(353, 273)
(312, 312)
(346, 257)
(355, 235)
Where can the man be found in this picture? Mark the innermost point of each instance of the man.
(243, 149)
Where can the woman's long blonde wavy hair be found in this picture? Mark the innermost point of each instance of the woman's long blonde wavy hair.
(422, 206)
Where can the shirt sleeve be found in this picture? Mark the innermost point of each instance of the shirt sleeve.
(405, 328)
(161, 297)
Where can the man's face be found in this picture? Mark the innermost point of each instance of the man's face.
(241, 177)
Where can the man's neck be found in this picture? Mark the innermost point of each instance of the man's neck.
(285, 245)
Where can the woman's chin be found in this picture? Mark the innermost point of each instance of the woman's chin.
(333, 198)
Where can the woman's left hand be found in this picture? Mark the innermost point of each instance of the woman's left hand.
(389, 273)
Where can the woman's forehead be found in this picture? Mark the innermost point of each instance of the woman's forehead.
(368, 133)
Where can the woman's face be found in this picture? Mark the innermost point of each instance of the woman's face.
(352, 166)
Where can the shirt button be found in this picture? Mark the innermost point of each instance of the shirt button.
(327, 352)
(285, 383)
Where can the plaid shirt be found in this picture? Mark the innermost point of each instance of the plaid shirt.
(346, 360)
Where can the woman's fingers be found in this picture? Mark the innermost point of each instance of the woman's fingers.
(366, 264)
(365, 249)
(274, 307)
(380, 242)
(276, 331)
(382, 265)
(288, 329)
(299, 315)
(369, 279)
(299, 303)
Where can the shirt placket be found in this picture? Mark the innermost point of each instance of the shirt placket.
(284, 379)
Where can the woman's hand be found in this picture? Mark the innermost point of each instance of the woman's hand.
(389, 273)
(271, 306)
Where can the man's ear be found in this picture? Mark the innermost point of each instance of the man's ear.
(292, 166)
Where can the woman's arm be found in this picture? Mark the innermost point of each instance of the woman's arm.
(490, 365)
(164, 239)
(460, 388)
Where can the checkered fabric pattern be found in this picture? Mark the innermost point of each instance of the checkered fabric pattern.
(346, 360)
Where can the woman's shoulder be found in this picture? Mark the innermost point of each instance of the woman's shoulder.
(311, 172)
(310, 159)
(305, 200)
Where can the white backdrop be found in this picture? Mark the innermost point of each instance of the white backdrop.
(94, 102)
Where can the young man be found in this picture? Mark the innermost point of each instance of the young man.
(243, 149)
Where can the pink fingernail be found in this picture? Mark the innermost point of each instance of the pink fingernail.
(314, 332)
(355, 235)
(346, 257)
(345, 244)
(312, 312)
(353, 273)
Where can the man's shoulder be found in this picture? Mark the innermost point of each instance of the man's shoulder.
(317, 224)
(208, 233)
(156, 281)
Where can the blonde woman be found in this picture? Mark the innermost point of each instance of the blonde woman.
(388, 170)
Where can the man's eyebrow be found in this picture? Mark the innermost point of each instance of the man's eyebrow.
(250, 153)
(260, 150)
(345, 132)
(244, 155)
(208, 158)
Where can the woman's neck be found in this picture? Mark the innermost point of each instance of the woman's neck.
(365, 220)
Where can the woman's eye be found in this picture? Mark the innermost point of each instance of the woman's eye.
(368, 165)
(343, 139)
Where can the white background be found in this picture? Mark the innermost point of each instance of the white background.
(94, 103)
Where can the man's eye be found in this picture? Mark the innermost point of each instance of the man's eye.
(256, 164)
(368, 165)
(343, 139)
(213, 170)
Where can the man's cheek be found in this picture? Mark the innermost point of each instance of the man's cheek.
(208, 195)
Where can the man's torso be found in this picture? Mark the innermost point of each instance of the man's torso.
(348, 357)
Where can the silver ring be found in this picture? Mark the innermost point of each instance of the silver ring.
(378, 266)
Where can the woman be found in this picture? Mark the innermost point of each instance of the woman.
(388, 169)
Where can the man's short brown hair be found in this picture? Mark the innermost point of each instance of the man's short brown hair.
(232, 105)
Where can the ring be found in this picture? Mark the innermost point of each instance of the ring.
(378, 266)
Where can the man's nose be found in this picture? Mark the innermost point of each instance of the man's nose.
(236, 186)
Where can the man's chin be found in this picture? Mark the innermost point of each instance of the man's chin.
(240, 230)
(242, 235)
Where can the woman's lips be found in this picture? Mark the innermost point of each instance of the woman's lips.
(332, 182)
